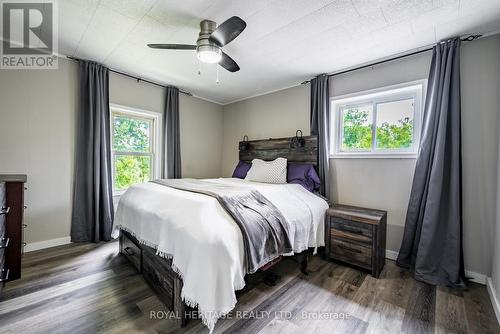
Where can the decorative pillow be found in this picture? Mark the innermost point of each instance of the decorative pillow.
(241, 169)
(305, 175)
(267, 171)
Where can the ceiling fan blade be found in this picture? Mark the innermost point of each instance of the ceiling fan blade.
(228, 63)
(173, 46)
(228, 30)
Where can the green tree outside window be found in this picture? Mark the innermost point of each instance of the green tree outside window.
(131, 135)
(357, 132)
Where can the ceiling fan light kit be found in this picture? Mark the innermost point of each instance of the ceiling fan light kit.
(207, 51)
(211, 40)
(209, 54)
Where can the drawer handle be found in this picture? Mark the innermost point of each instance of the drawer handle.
(350, 249)
(25, 226)
(129, 251)
(350, 229)
(4, 210)
(4, 275)
(4, 242)
(354, 231)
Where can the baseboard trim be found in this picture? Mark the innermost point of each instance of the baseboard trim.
(493, 297)
(391, 255)
(476, 277)
(473, 276)
(34, 246)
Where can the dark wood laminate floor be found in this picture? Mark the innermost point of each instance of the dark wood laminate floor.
(88, 288)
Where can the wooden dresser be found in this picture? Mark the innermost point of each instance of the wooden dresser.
(356, 236)
(11, 226)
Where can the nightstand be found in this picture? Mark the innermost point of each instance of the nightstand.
(356, 236)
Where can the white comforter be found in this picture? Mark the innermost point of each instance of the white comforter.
(205, 243)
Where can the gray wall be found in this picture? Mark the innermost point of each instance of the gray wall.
(37, 137)
(269, 116)
(386, 183)
(37, 122)
(200, 122)
(480, 72)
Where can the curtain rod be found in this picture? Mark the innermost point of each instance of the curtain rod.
(136, 78)
(465, 39)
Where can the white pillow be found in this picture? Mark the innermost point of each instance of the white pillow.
(267, 171)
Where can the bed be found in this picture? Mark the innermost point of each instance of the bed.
(191, 250)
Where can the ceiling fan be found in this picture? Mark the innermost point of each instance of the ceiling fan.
(210, 42)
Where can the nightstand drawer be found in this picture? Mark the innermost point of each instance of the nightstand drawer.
(351, 231)
(351, 227)
(356, 254)
(351, 237)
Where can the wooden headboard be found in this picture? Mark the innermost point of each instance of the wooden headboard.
(270, 149)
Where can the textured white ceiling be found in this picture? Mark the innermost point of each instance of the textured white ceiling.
(285, 42)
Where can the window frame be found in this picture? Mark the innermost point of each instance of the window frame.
(414, 89)
(155, 139)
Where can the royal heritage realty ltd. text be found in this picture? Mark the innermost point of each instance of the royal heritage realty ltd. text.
(286, 315)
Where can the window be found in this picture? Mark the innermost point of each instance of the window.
(134, 147)
(379, 123)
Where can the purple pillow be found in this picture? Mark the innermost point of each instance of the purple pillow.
(303, 174)
(241, 169)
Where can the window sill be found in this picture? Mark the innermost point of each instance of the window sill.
(118, 193)
(375, 156)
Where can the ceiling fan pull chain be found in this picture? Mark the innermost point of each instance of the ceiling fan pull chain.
(217, 71)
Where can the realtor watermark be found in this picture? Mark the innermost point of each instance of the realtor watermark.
(253, 315)
(29, 34)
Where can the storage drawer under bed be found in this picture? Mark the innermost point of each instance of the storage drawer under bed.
(131, 250)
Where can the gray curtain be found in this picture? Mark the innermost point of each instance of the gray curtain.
(320, 126)
(171, 135)
(432, 241)
(92, 216)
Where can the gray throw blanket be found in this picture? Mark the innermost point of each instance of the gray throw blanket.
(264, 229)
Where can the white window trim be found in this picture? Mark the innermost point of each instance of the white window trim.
(156, 138)
(402, 91)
